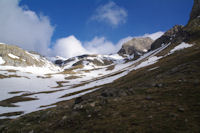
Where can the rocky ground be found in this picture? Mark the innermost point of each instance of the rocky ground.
(162, 97)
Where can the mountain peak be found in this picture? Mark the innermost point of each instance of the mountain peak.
(195, 10)
(136, 46)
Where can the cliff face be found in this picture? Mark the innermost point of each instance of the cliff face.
(175, 34)
(193, 26)
(195, 10)
(136, 46)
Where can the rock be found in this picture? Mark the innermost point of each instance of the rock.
(64, 117)
(150, 117)
(136, 46)
(66, 107)
(195, 10)
(106, 94)
(157, 85)
(78, 107)
(23, 58)
(2, 127)
(173, 115)
(180, 94)
(92, 104)
(78, 100)
(149, 98)
(175, 34)
(180, 109)
(186, 120)
(32, 131)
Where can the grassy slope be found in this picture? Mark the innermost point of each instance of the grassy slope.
(166, 99)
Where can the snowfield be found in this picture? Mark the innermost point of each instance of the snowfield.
(1, 61)
(181, 46)
(51, 86)
(13, 56)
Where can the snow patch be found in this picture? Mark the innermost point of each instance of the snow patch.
(13, 56)
(151, 69)
(180, 47)
(148, 62)
(1, 61)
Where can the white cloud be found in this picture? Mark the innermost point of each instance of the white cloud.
(111, 13)
(99, 45)
(24, 27)
(68, 47)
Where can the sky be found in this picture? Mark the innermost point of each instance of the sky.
(72, 27)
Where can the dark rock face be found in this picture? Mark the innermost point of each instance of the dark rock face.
(136, 46)
(175, 34)
(195, 10)
(179, 33)
(193, 26)
(59, 62)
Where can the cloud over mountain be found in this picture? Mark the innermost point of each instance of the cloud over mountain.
(24, 27)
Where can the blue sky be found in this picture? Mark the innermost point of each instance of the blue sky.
(72, 27)
(72, 17)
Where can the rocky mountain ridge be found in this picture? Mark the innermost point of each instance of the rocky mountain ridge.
(136, 46)
(14, 56)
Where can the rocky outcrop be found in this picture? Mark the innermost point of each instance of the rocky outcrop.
(193, 26)
(195, 10)
(175, 34)
(136, 46)
(180, 33)
(15, 56)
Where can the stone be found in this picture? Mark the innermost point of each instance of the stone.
(78, 100)
(195, 10)
(32, 131)
(168, 37)
(149, 98)
(180, 109)
(78, 106)
(92, 104)
(64, 117)
(136, 46)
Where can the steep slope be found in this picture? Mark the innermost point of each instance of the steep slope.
(159, 93)
(163, 97)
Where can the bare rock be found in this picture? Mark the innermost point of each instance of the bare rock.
(136, 46)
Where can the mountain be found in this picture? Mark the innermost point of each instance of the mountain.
(157, 92)
(136, 46)
(18, 58)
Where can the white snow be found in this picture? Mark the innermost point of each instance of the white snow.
(180, 47)
(30, 83)
(1, 61)
(13, 56)
(33, 69)
(151, 69)
(148, 62)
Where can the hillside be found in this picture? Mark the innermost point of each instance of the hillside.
(159, 91)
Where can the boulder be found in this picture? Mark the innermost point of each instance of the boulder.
(136, 46)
